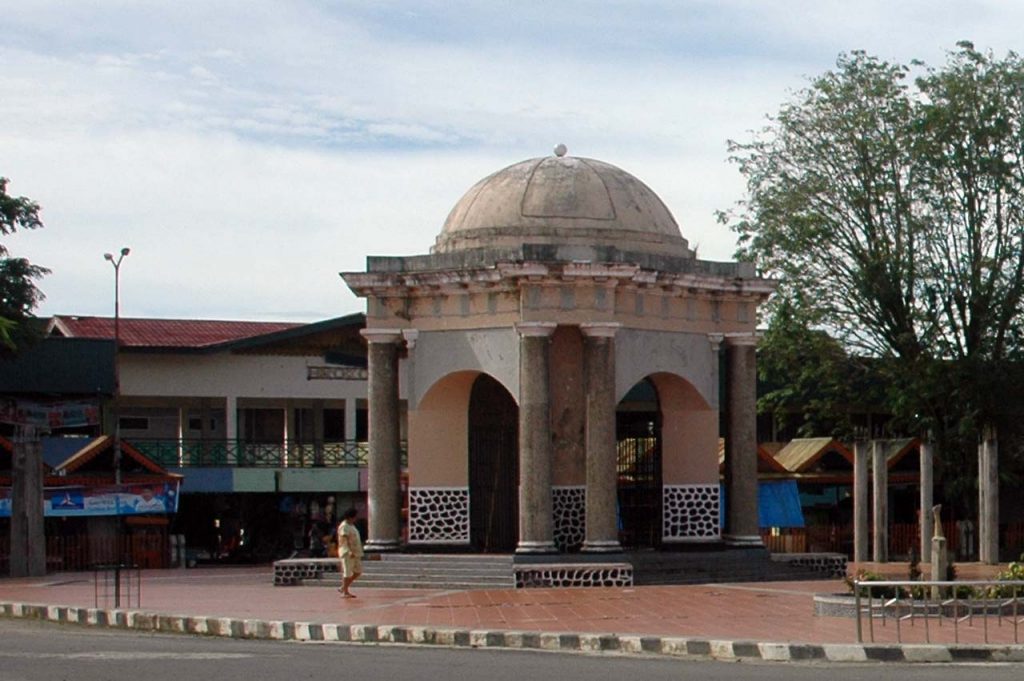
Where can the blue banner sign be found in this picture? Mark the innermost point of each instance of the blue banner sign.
(75, 502)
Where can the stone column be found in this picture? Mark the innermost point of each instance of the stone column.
(860, 501)
(741, 440)
(602, 476)
(927, 464)
(536, 533)
(384, 461)
(880, 476)
(988, 497)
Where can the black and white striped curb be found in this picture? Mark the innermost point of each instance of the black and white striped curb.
(624, 644)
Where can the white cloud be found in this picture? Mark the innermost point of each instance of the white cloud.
(248, 151)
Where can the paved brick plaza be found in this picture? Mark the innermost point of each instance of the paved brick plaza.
(764, 612)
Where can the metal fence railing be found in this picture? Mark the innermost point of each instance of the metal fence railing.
(118, 585)
(187, 452)
(77, 552)
(956, 604)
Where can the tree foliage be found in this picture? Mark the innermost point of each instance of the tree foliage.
(18, 293)
(888, 199)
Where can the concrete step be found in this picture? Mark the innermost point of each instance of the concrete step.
(452, 559)
(438, 571)
(722, 565)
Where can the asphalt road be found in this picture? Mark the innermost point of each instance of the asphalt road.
(37, 651)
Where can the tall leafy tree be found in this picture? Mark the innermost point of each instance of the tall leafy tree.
(18, 292)
(891, 208)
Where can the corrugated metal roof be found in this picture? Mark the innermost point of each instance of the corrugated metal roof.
(896, 449)
(801, 453)
(165, 333)
(105, 444)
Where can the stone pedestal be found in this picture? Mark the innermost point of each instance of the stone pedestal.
(940, 562)
(384, 462)
(602, 534)
(741, 441)
(536, 531)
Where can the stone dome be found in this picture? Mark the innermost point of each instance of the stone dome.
(562, 200)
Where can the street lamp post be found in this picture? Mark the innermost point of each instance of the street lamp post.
(116, 262)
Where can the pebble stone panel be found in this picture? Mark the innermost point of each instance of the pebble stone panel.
(690, 512)
(574, 575)
(292, 571)
(438, 515)
(831, 565)
(569, 506)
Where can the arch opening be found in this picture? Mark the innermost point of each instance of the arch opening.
(638, 426)
(493, 447)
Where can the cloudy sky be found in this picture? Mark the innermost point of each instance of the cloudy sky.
(248, 151)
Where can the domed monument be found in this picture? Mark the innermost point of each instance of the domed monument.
(564, 201)
(554, 366)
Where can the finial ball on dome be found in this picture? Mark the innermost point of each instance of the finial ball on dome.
(561, 150)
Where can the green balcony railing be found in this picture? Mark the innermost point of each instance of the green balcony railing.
(172, 453)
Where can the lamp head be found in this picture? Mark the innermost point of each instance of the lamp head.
(108, 256)
(125, 251)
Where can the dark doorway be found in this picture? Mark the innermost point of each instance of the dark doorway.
(638, 436)
(493, 467)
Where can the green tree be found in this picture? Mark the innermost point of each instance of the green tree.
(891, 208)
(18, 293)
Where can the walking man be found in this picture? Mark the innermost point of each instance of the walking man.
(350, 551)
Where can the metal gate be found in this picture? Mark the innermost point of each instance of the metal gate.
(493, 467)
(638, 436)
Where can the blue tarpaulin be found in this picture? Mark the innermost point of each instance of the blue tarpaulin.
(778, 504)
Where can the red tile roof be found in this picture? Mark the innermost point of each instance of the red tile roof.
(165, 333)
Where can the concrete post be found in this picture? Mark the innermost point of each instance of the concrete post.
(384, 460)
(289, 456)
(28, 537)
(602, 534)
(350, 419)
(536, 529)
(927, 462)
(880, 476)
(318, 432)
(182, 420)
(741, 441)
(231, 420)
(988, 497)
(861, 483)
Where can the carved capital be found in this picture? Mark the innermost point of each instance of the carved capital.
(744, 338)
(600, 329)
(381, 335)
(535, 329)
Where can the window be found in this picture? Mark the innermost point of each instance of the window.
(196, 423)
(133, 423)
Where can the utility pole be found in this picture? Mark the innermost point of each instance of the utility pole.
(116, 262)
